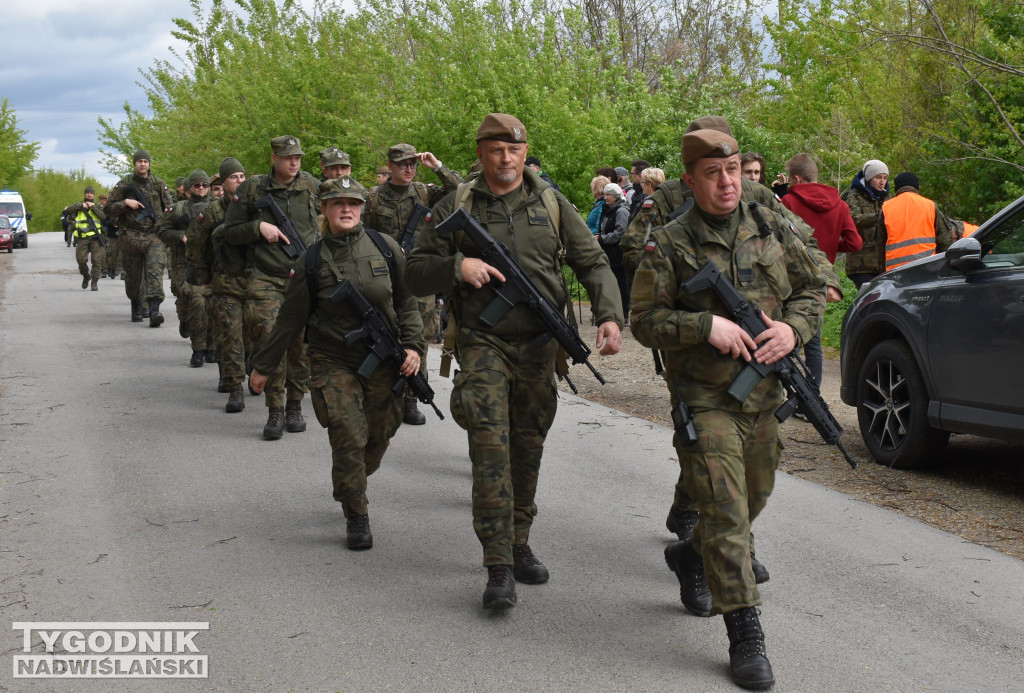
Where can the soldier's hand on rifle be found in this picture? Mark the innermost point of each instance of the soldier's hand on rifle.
(133, 203)
(777, 341)
(730, 338)
(257, 381)
(609, 338)
(477, 272)
(411, 365)
(272, 234)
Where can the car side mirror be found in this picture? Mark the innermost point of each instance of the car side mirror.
(965, 255)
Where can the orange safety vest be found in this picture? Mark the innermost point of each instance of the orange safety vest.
(910, 229)
(969, 229)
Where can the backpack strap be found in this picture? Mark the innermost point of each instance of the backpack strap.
(313, 263)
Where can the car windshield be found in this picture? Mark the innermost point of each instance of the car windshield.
(5, 223)
(11, 210)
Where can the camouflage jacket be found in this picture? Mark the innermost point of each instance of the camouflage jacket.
(297, 199)
(520, 221)
(389, 207)
(127, 219)
(173, 226)
(353, 256)
(774, 272)
(200, 254)
(866, 210)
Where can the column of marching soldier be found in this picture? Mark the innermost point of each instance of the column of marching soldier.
(280, 273)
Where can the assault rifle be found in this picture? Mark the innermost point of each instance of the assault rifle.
(147, 209)
(294, 247)
(376, 334)
(97, 232)
(791, 371)
(517, 288)
(408, 235)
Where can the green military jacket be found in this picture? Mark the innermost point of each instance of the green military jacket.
(174, 225)
(520, 221)
(298, 201)
(353, 256)
(389, 207)
(867, 216)
(774, 272)
(128, 219)
(671, 194)
(201, 257)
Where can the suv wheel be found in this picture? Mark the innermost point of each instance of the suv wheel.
(892, 409)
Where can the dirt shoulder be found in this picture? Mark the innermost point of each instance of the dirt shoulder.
(975, 491)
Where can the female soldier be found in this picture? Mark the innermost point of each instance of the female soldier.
(360, 414)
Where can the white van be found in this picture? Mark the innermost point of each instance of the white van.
(13, 207)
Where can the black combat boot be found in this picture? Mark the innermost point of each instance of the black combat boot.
(144, 310)
(210, 355)
(222, 386)
(686, 563)
(527, 568)
(136, 310)
(501, 588)
(183, 329)
(293, 420)
(357, 533)
(748, 659)
(681, 522)
(275, 423)
(412, 415)
(85, 281)
(236, 401)
(760, 572)
(197, 359)
(95, 284)
(155, 319)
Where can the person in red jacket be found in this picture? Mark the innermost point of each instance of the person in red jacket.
(819, 205)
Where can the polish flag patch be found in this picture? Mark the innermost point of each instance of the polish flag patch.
(651, 245)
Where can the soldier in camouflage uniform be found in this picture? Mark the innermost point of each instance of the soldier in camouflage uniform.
(334, 163)
(269, 265)
(142, 251)
(88, 218)
(730, 470)
(113, 249)
(505, 394)
(360, 414)
(866, 194)
(212, 263)
(388, 210)
(191, 300)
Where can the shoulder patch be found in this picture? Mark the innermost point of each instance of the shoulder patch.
(651, 245)
(648, 203)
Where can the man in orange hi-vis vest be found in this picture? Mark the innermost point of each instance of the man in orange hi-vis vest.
(915, 228)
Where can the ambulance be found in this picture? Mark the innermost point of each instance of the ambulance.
(13, 207)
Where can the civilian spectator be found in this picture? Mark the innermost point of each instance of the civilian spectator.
(914, 226)
(614, 220)
(865, 196)
(597, 190)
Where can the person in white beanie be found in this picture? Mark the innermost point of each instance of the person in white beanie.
(865, 196)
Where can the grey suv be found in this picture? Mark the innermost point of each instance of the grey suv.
(937, 346)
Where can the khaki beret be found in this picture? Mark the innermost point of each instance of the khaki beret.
(342, 187)
(708, 143)
(286, 145)
(332, 156)
(501, 127)
(401, 152)
(215, 180)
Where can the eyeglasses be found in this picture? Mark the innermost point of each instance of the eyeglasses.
(407, 164)
(201, 186)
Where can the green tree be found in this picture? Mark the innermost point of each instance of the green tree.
(47, 192)
(16, 153)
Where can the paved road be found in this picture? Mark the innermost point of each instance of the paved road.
(126, 494)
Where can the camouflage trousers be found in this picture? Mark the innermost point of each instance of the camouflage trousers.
(730, 472)
(361, 416)
(113, 259)
(431, 324)
(192, 305)
(143, 256)
(227, 309)
(263, 300)
(505, 397)
(85, 247)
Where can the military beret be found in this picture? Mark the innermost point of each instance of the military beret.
(215, 180)
(710, 123)
(229, 165)
(907, 180)
(89, 189)
(401, 152)
(286, 145)
(332, 156)
(342, 187)
(141, 154)
(501, 127)
(179, 181)
(708, 143)
(198, 176)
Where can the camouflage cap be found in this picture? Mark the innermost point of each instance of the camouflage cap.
(401, 152)
(342, 187)
(708, 143)
(501, 127)
(286, 145)
(141, 154)
(383, 171)
(179, 181)
(710, 123)
(229, 166)
(197, 176)
(332, 156)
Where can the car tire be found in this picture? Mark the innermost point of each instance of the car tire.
(892, 409)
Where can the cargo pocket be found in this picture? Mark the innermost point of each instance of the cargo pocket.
(456, 405)
(316, 394)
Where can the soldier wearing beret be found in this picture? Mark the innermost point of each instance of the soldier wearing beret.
(334, 163)
(730, 471)
(360, 414)
(269, 268)
(142, 252)
(388, 210)
(505, 394)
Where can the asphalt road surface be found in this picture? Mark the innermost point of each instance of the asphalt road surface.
(128, 495)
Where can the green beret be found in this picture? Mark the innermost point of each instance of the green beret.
(501, 127)
(286, 145)
(708, 143)
(229, 165)
(342, 187)
(711, 123)
(198, 176)
(401, 152)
